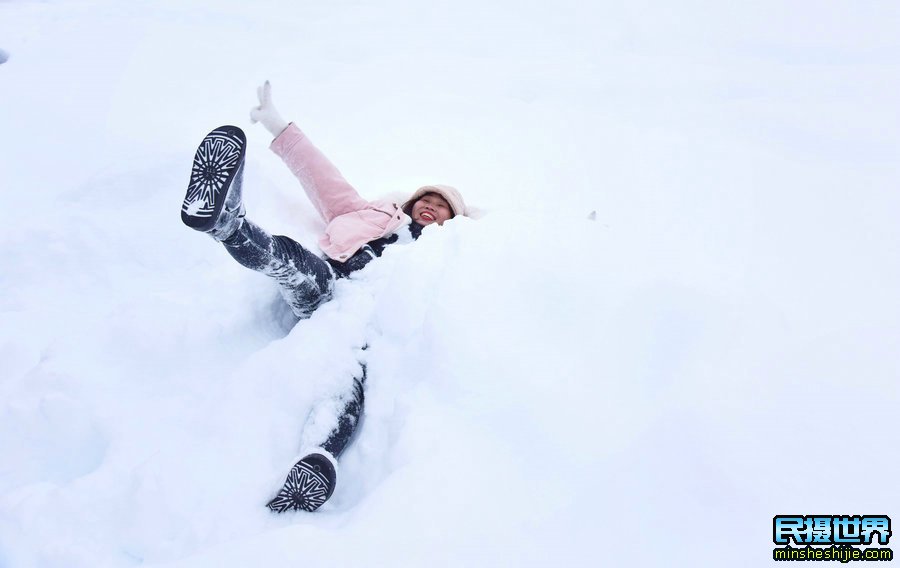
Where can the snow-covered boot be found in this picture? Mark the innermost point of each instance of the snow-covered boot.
(308, 485)
(213, 202)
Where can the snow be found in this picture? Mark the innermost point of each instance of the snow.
(715, 345)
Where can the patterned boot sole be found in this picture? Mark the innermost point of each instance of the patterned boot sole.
(309, 484)
(216, 164)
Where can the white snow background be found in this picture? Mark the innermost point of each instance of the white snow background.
(646, 388)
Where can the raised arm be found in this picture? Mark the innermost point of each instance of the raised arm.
(326, 188)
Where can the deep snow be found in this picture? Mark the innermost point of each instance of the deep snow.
(648, 388)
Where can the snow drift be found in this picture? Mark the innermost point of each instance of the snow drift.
(715, 346)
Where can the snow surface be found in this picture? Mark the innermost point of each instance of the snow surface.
(649, 388)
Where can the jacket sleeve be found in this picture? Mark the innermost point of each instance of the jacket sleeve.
(326, 188)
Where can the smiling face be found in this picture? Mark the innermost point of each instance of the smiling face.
(431, 208)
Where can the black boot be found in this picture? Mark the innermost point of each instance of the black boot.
(213, 202)
(308, 485)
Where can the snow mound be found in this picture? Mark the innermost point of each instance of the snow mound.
(679, 306)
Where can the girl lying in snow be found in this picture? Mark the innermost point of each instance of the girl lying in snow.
(356, 232)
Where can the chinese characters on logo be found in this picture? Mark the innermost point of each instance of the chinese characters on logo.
(831, 529)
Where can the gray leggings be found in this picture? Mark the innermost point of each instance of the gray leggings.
(305, 280)
(344, 413)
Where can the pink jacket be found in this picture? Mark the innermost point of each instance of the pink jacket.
(351, 220)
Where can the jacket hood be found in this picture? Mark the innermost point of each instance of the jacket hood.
(451, 194)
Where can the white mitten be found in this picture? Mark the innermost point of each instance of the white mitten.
(266, 112)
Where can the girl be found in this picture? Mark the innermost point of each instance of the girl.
(357, 231)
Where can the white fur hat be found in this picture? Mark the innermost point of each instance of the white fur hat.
(451, 194)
